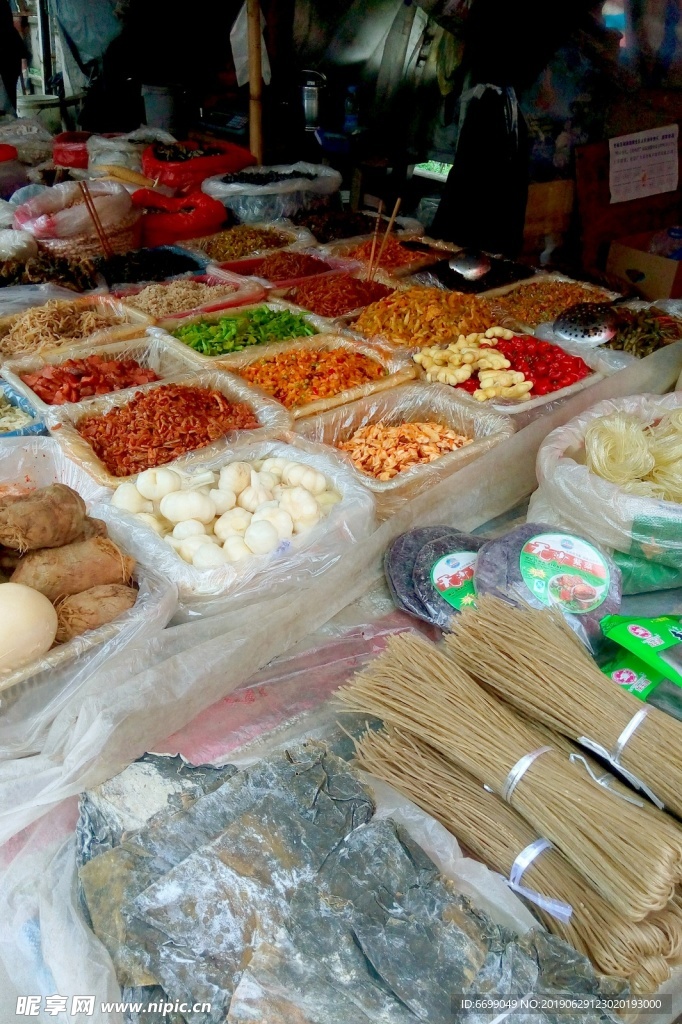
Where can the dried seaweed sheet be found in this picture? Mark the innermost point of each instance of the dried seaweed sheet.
(450, 544)
(498, 571)
(311, 792)
(276, 898)
(399, 562)
(154, 784)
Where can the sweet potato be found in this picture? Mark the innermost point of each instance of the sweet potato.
(47, 518)
(74, 568)
(92, 528)
(95, 607)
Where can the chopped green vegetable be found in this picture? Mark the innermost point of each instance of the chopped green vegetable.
(235, 333)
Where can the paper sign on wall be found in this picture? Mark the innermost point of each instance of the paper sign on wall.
(643, 164)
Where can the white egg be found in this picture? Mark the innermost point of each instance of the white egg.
(28, 625)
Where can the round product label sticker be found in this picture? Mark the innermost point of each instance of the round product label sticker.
(453, 578)
(566, 571)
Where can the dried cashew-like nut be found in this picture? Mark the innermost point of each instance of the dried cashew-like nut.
(499, 332)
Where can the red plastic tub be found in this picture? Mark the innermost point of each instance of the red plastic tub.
(70, 149)
(184, 174)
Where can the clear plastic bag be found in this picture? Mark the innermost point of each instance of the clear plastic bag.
(293, 565)
(254, 202)
(17, 298)
(272, 418)
(17, 245)
(14, 397)
(30, 138)
(124, 150)
(60, 212)
(412, 403)
(31, 696)
(644, 535)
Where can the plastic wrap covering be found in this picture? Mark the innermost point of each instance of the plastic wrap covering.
(46, 945)
(59, 219)
(17, 245)
(14, 397)
(123, 150)
(152, 352)
(30, 138)
(59, 212)
(272, 418)
(126, 322)
(17, 298)
(254, 202)
(31, 696)
(412, 403)
(644, 535)
(398, 368)
(296, 562)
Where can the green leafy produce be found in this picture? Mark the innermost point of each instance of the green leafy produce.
(235, 333)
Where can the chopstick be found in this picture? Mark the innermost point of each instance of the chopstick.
(374, 240)
(94, 216)
(388, 232)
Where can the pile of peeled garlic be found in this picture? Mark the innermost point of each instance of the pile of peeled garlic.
(218, 518)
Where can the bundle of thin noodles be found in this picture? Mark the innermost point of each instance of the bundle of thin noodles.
(54, 324)
(669, 921)
(617, 448)
(413, 686)
(535, 662)
(497, 834)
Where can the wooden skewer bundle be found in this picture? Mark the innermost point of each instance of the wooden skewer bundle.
(535, 662)
(496, 832)
(414, 687)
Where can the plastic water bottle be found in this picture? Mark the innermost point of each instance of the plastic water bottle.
(351, 120)
(667, 243)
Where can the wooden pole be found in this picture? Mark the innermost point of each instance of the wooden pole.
(255, 81)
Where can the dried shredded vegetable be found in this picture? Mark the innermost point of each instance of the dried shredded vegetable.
(302, 376)
(54, 324)
(176, 296)
(424, 316)
(12, 418)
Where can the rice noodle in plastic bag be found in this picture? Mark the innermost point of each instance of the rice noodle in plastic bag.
(643, 533)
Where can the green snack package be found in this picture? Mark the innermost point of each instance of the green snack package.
(649, 663)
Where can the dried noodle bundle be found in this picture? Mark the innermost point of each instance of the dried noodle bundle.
(535, 662)
(617, 448)
(496, 832)
(415, 687)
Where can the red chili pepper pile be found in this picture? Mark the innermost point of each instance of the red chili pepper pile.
(287, 266)
(338, 294)
(160, 425)
(77, 379)
(548, 366)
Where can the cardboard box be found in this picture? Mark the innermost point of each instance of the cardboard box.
(654, 277)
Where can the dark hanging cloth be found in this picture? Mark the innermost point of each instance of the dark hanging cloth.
(12, 52)
(507, 43)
